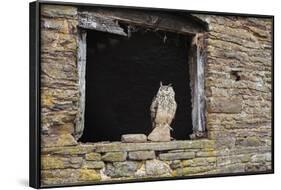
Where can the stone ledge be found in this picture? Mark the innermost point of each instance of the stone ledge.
(156, 146)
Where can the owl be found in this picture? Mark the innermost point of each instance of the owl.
(163, 107)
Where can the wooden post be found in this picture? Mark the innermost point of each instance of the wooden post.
(81, 66)
(196, 68)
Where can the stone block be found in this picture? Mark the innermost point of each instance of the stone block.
(93, 164)
(114, 156)
(252, 141)
(134, 138)
(89, 175)
(192, 170)
(59, 11)
(58, 162)
(206, 153)
(58, 140)
(122, 169)
(157, 168)
(160, 134)
(68, 150)
(225, 105)
(141, 155)
(93, 156)
(156, 146)
(199, 162)
(176, 156)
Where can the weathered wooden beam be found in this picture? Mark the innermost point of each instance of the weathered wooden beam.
(197, 60)
(81, 67)
(95, 22)
(150, 19)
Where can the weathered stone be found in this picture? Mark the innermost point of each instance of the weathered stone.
(57, 71)
(176, 164)
(59, 176)
(192, 170)
(52, 162)
(157, 146)
(141, 155)
(54, 41)
(255, 167)
(122, 169)
(160, 134)
(114, 156)
(157, 168)
(58, 11)
(261, 157)
(225, 105)
(93, 164)
(141, 171)
(199, 162)
(93, 156)
(58, 162)
(134, 138)
(61, 140)
(249, 141)
(66, 26)
(206, 153)
(176, 156)
(89, 175)
(75, 160)
(241, 138)
(68, 150)
(232, 168)
(233, 159)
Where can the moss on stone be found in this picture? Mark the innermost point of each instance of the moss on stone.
(89, 175)
(93, 156)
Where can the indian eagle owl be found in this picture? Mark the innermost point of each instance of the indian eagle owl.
(163, 107)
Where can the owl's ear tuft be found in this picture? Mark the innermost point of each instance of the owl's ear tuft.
(161, 83)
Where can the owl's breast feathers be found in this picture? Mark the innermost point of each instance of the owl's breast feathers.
(163, 110)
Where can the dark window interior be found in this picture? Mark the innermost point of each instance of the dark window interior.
(123, 76)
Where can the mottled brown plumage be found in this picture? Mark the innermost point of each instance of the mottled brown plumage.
(163, 107)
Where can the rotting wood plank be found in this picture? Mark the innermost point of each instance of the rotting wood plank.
(91, 21)
(158, 21)
(81, 66)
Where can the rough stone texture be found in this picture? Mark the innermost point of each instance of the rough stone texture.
(93, 165)
(59, 90)
(93, 156)
(157, 168)
(238, 88)
(88, 175)
(225, 105)
(114, 156)
(159, 146)
(141, 155)
(122, 169)
(177, 156)
(134, 138)
(160, 134)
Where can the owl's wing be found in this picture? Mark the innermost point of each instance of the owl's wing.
(153, 110)
(174, 109)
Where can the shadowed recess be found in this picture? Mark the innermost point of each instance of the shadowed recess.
(123, 76)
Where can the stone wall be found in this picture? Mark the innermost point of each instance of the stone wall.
(238, 117)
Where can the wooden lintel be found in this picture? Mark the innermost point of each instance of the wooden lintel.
(155, 20)
(95, 22)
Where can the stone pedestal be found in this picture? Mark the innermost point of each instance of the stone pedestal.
(160, 134)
